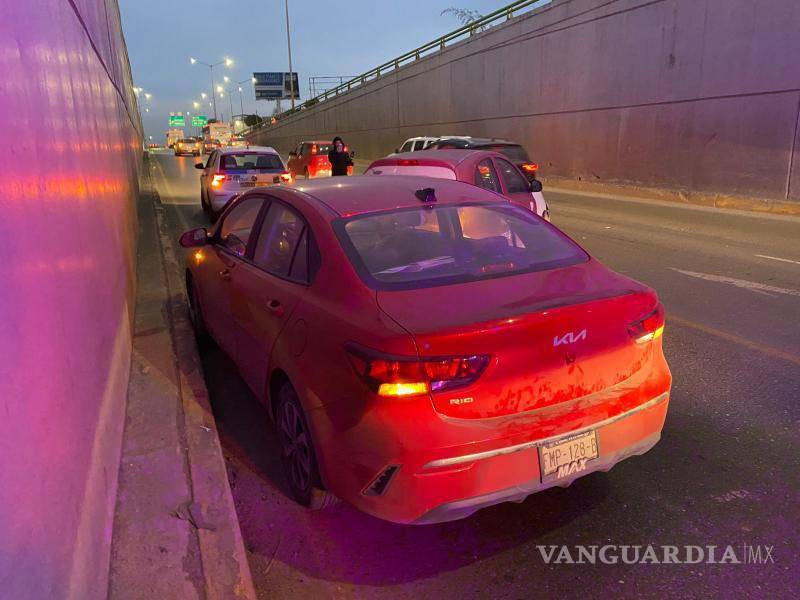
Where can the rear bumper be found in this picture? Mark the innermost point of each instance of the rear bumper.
(635, 424)
(449, 469)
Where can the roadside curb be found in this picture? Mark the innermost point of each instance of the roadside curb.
(225, 568)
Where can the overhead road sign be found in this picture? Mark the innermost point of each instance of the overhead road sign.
(276, 86)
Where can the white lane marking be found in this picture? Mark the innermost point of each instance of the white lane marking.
(741, 283)
(794, 262)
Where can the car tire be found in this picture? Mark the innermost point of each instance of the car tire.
(297, 452)
(195, 312)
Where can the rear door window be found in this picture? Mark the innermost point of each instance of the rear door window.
(420, 247)
(419, 145)
(486, 176)
(407, 146)
(514, 182)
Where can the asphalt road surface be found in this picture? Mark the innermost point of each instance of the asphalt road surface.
(726, 472)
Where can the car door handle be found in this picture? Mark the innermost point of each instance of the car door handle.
(225, 274)
(275, 307)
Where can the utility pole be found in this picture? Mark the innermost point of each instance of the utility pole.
(289, 44)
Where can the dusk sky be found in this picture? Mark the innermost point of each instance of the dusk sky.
(354, 37)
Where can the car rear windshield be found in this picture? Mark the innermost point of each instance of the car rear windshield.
(422, 247)
(186, 141)
(323, 148)
(251, 161)
(516, 153)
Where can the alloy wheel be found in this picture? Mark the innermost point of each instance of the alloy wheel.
(295, 447)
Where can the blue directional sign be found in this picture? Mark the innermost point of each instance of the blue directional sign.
(276, 86)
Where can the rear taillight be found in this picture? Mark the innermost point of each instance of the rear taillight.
(217, 180)
(530, 167)
(407, 376)
(313, 148)
(286, 177)
(650, 328)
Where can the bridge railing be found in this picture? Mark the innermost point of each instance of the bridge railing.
(502, 14)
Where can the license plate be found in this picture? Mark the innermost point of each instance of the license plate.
(568, 456)
(247, 184)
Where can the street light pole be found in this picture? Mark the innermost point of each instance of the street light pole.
(227, 62)
(213, 97)
(222, 91)
(289, 45)
(239, 83)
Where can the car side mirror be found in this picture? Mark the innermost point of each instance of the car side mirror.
(536, 185)
(194, 238)
(199, 166)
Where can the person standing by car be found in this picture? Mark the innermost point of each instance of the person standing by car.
(339, 158)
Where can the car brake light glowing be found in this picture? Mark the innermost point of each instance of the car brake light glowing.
(286, 177)
(218, 180)
(650, 328)
(403, 389)
(313, 148)
(408, 162)
(530, 167)
(408, 376)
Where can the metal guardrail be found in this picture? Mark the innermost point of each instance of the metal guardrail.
(505, 13)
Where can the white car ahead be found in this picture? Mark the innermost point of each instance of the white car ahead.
(230, 171)
(416, 144)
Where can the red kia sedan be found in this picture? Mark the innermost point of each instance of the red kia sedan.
(426, 348)
(487, 169)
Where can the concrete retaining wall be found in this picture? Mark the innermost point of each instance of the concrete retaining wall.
(68, 181)
(701, 95)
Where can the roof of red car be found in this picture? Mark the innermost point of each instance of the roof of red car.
(348, 196)
(450, 158)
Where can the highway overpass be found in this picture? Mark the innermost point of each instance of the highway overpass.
(691, 99)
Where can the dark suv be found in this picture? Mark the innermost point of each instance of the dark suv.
(516, 153)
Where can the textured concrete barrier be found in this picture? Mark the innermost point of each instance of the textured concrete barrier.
(695, 95)
(72, 149)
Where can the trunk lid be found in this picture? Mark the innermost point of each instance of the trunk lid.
(246, 179)
(553, 336)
